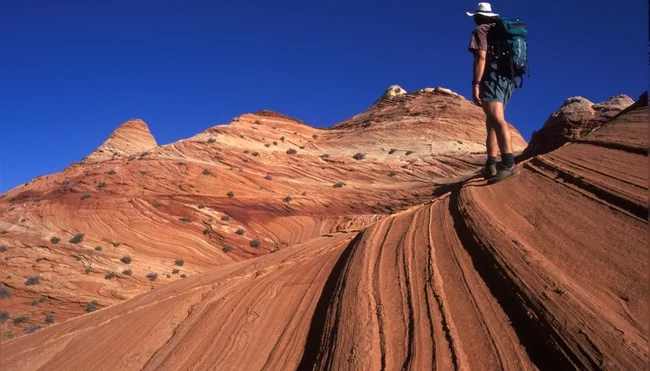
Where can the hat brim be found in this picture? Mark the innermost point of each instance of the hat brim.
(485, 14)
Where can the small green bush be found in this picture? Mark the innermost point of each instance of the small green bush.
(152, 276)
(77, 238)
(143, 173)
(126, 260)
(287, 199)
(115, 244)
(98, 248)
(227, 248)
(291, 151)
(127, 272)
(359, 156)
(179, 262)
(86, 196)
(91, 306)
(392, 150)
(3, 249)
(19, 320)
(268, 177)
(267, 145)
(315, 136)
(4, 292)
(338, 185)
(4, 316)
(201, 206)
(275, 143)
(33, 280)
(409, 152)
(282, 138)
(240, 231)
(49, 318)
(255, 243)
(32, 328)
(212, 140)
(112, 172)
(206, 231)
(175, 271)
(391, 174)
(225, 218)
(101, 185)
(230, 194)
(185, 219)
(206, 172)
(255, 154)
(301, 147)
(110, 275)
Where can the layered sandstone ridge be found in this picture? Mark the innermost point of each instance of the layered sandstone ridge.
(575, 119)
(131, 137)
(384, 261)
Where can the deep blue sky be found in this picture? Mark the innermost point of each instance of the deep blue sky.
(71, 72)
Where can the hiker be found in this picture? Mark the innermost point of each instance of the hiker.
(492, 87)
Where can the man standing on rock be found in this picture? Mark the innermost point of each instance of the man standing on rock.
(492, 87)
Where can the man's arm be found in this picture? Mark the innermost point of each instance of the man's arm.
(478, 68)
(479, 65)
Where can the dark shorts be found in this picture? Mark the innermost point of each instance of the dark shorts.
(496, 88)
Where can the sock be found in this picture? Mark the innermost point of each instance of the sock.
(508, 159)
(491, 160)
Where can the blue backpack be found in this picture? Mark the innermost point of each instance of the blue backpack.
(513, 48)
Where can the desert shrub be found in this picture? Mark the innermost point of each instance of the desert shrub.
(230, 194)
(258, 122)
(301, 147)
(409, 152)
(201, 206)
(32, 328)
(49, 318)
(246, 151)
(255, 153)
(115, 244)
(4, 292)
(88, 269)
(4, 316)
(315, 136)
(185, 219)
(275, 143)
(324, 156)
(267, 145)
(110, 275)
(255, 243)
(77, 238)
(34, 302)
(3, 249)
(183, 276)
(225, 218)
(143, 173)
(86, 196)
(98, 248)
(112, 172)
(155, 204)
(91, 306)
(227, 248)
(391, 174)
(240, 231)
(152, 276)
(19, 320)
(206, 231)
(127, 272)
(39, 259)
(179, 262)
(245, 159)
(126, 260)
(338, 185)
(101, 185)
(206, 172)
(392, 150)
(268, 177)
(359, 156)
(291, 151)
(287, 199)
(282, 138)
(33, 280)
(212, 140)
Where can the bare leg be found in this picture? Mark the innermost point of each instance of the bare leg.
(491, 144)
(496, 119)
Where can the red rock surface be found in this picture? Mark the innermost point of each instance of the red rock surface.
(130, 138)
(574, 120)
(545, 270)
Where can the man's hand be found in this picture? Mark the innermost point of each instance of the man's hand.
(475, 95)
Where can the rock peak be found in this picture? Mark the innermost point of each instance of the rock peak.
(131, 137)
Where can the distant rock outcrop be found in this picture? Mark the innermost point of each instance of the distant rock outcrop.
(131, 137)
(576, 118)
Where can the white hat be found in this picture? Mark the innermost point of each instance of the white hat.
(484, 9)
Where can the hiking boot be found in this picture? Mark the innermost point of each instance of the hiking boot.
(503, 173)
(489, 171)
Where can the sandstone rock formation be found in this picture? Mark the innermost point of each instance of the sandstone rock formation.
(131, 137)
(576, 118)
(371, 262)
